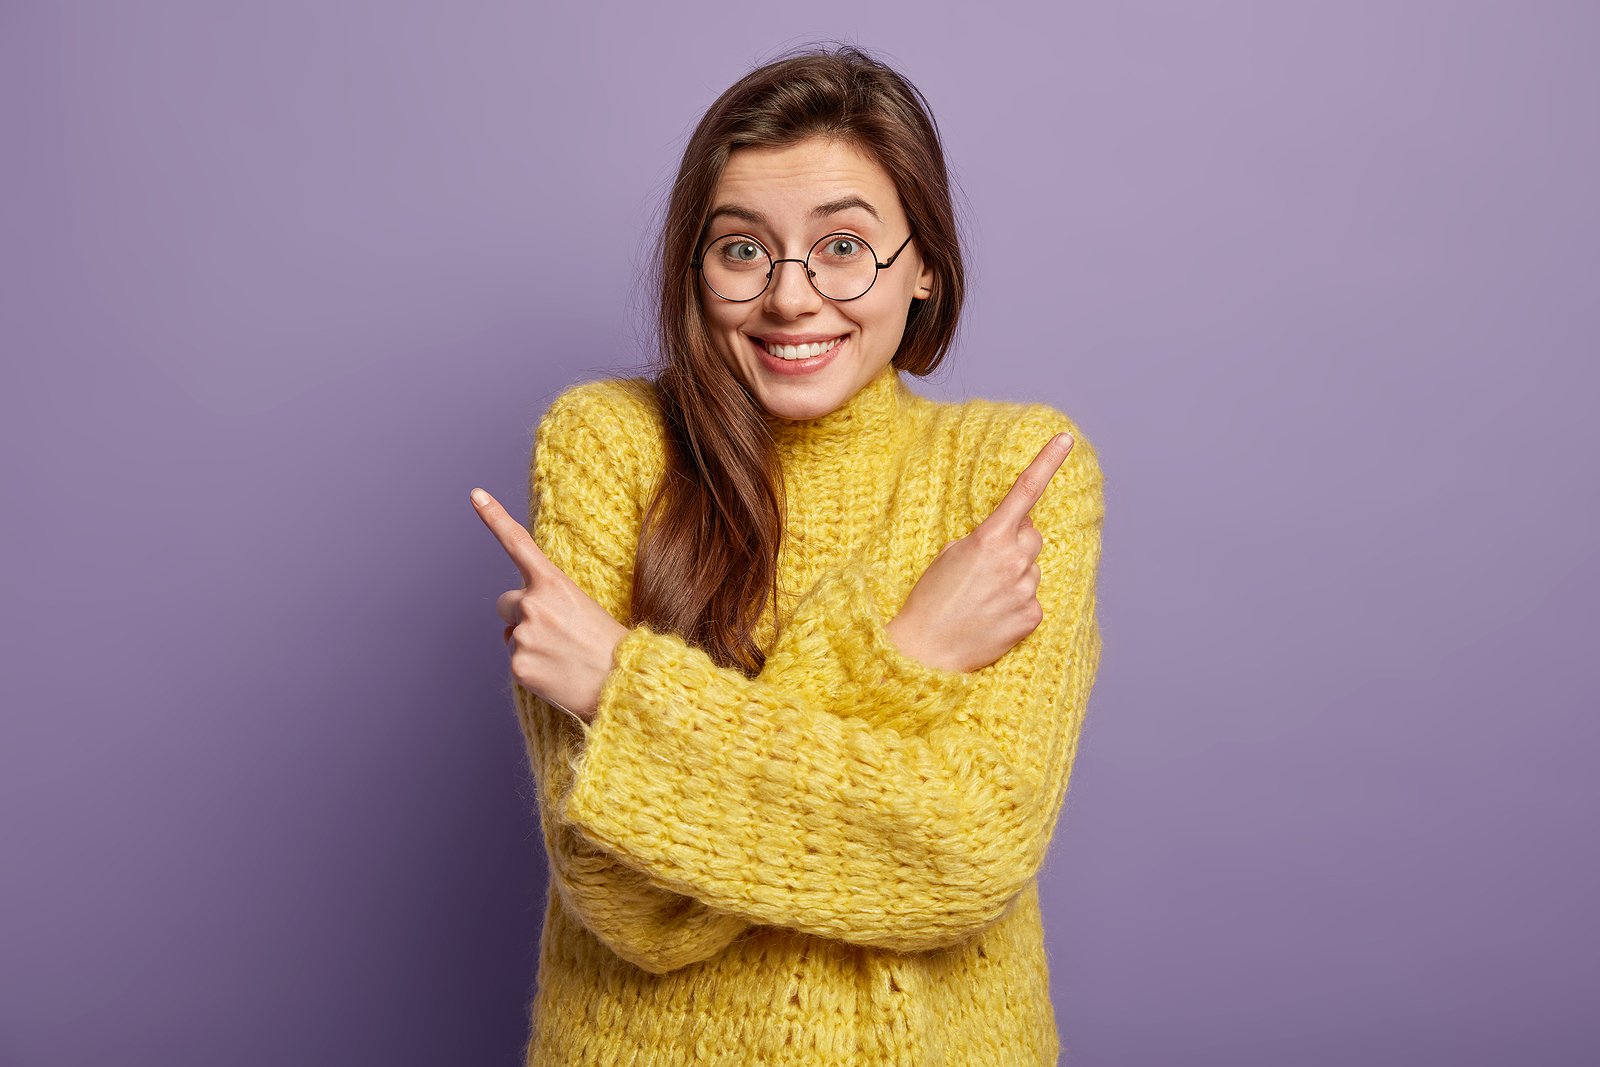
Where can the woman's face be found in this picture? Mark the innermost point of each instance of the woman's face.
(788, 198)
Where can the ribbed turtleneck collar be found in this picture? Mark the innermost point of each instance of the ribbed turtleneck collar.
(837, 475)
(863, 425)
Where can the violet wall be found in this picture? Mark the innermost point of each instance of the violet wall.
(280, 282)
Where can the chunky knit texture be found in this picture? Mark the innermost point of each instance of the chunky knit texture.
(833, 862)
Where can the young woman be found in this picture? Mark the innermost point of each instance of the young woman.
(801, 680)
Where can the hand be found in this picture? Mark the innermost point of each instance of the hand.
(979, 596)
(562, 643)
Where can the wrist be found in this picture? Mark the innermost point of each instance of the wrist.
(912, 642)
(600, 667)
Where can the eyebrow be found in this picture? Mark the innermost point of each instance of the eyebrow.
(754, 217)
(833, 207)
(821, 211)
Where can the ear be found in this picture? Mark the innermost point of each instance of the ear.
(924, 283)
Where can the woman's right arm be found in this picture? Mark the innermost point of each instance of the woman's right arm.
(809, 797)
(835, 652)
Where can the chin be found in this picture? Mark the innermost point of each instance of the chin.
(801, 397)
(800, 404)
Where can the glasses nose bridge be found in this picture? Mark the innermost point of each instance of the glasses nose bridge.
(805, 265)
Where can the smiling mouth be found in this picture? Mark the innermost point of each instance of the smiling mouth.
(793, 352)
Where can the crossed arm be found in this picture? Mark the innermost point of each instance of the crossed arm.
(973, 604)
(851, 790)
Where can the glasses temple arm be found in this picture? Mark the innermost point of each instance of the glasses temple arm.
(902, 248)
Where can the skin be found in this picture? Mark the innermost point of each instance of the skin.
(787, 198)
(975, 601)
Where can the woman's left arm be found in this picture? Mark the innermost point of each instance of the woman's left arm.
(806, 798)
(952, 780)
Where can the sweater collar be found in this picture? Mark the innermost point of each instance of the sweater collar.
(864, 424)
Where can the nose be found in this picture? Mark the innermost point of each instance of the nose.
(790, 293)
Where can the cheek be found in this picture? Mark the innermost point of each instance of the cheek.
(722, 324)
(721, 317)
(886, 317)
(716, 319)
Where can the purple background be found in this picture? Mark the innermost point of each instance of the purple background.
(282, 281)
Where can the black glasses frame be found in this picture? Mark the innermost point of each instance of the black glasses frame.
(698, 263)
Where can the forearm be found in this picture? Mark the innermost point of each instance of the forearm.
(833, 652)
(849, 791)
(649, 927)
(733, 792)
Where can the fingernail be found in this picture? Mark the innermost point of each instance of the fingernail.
(479, 497)
(1064, 439)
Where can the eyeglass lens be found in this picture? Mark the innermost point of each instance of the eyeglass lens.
(841, 266)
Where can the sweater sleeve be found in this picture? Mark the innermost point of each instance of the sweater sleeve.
(590, 473)
(849, 792)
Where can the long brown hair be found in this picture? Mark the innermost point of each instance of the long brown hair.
(708, 553)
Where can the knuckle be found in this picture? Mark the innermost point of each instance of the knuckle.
(524, 665)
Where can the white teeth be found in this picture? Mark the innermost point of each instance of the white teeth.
(799, 351)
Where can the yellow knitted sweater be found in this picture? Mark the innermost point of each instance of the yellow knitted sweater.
(833, 862)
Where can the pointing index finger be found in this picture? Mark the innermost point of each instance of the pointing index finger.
(511, 534)
(1012, 511)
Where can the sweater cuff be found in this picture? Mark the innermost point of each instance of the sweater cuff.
(639, 766)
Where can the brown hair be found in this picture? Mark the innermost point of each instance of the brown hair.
(708, 552)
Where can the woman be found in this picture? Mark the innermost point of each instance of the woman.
(800, 680)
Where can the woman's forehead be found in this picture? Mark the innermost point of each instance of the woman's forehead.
(805, 183)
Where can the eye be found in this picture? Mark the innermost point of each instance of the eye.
(841, 247)
(742, 251)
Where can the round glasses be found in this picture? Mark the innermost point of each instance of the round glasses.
(841, 266)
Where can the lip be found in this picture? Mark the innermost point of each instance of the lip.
(796, 338)
(793, 367)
